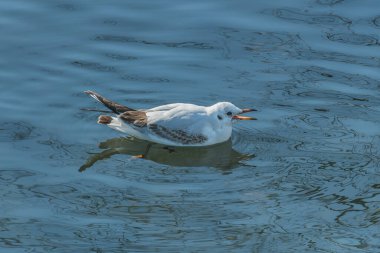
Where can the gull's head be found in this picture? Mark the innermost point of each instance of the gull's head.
(226, 112)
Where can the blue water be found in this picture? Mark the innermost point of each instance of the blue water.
(305, 177)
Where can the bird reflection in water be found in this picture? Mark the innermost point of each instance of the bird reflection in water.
(221, 155)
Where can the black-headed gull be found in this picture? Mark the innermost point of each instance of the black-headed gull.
(174, 124)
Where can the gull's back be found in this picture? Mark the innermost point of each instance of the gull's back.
(188, 117)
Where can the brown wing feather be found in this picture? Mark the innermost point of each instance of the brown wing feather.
(115, 107)
(177, 135)
(137, 118)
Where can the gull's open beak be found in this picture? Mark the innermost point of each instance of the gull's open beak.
(248, 110)
(244, 117)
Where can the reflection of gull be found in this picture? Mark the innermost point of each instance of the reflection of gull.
(174, 124)
(218, 156)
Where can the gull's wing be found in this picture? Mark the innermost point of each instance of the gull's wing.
(183, 123)
(136, 118)
(115, 107)
(166, 107)
(177, 135)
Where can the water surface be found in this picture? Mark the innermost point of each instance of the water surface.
(303, 178)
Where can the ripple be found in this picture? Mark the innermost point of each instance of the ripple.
(350, 241)
(145, 79)
(10, 242)
(121, 57)
(136, 92)
(68, 198)
(59, 152)
(236, 44)
(93, 66)
(353, 38)
(376, 21)
(315, 19)
(68, 7)
(11, 176)
(339, 57)
(320, 126)
(354, 218)
(314, 74)
(335, 96)
(329, 2)
(19, 230)
(126, 39)
(16, 131)
(110, 22)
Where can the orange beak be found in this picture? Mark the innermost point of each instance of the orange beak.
(248, 110)
(244, 117)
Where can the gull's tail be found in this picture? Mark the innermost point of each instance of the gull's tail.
(115, 107)
(104, 119)
(112, 122)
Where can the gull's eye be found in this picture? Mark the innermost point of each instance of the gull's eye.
(229, 113)
(220, 117)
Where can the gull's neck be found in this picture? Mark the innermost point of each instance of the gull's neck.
(212, 108)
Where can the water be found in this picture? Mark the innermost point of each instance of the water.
(303, 178)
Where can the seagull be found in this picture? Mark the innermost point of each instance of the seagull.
(176, 124)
